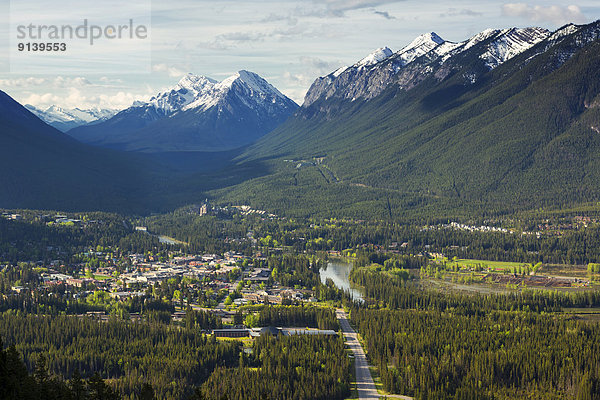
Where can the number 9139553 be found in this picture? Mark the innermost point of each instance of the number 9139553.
(39, 47)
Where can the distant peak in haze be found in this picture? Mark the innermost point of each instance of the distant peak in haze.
(64, 119)
(191, 81)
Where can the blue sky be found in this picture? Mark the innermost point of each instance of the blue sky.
(289, 43)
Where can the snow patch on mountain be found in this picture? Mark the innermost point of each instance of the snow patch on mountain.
(467, 44)
(564, 31)
(63, 118)
(511, 42)
(186, 91)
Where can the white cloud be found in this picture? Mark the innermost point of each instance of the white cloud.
(319, 65)
(40, 100)
(455, 12)
(57, 82)
(74, 97)
(107, 80)
(22, 82)
(173, 72)
(555, 14)
(62, 82)
(241, 36)
(296, 81)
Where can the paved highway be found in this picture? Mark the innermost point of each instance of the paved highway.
(364, 380)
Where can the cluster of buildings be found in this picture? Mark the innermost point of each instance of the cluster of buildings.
(192, 267)
(270, 331)
(464, 227)
(12, 216)
(274, 296)
(577, 222)
(208, 209)
(247, 210)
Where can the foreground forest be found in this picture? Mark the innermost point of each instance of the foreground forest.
(171, 362)
(434, 345)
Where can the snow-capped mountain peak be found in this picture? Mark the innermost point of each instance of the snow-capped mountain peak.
(564, 31)
(253, 81)
(480, 37)
(194, 82)
(251, 89)
(186, 91)
(419, 46)
(427, 55)
(375, 57)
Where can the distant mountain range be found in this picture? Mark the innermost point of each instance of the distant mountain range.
(65, 119)
(507, 120)
(197, 114)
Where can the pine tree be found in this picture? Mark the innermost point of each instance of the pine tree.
(77, 386)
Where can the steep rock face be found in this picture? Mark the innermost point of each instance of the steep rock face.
(198, 113)
(511, 42)
(427, 55)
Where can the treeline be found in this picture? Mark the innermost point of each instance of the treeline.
(292, 367)
(329, 291)
(204, 234)
(201, 319)
(38, 238)
(17, 383)
(40, 301)
(128, 355)
(298, 316)
(390, 260)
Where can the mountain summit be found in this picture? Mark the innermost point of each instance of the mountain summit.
(197, 114)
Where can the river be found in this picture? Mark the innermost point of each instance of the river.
(339, 271)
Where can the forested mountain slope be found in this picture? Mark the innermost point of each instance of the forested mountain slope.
(44, 168)
(521, 134)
